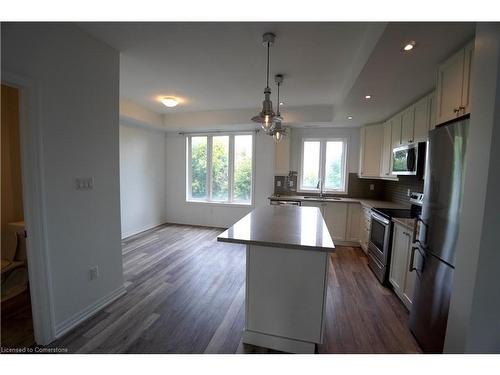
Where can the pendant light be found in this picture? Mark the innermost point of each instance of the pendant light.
(278, 131)
(265, 117)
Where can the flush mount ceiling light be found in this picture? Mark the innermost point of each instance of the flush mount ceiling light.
(265, 117)
(368, 96)
(349, 117)
(169, 101)
(409, 46)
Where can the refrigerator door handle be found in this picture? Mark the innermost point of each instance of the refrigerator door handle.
(412, 260)
(417, 231)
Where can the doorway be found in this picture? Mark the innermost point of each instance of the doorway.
(16, 314)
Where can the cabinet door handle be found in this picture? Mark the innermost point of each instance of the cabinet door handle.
(456, 110)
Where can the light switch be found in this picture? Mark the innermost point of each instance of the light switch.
(278, 183)
(84, 183)
(94, 273)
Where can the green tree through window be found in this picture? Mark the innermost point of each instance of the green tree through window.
(221, 165)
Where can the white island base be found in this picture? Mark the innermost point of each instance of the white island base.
(285, 298)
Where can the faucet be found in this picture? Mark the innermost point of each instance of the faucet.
(320, 187)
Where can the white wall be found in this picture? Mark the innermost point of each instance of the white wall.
(473, 323)
(142, 178)
(77, 78)
(180, 211)
(352, 135)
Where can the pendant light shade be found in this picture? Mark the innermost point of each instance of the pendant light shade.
(277, 130)
(266, 116)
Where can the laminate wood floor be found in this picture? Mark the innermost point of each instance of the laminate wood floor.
(186, 292)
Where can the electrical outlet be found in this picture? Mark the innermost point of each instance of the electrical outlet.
(372, 187)
(94, 273)
(408, 192)
(291, 183)
(278, 183)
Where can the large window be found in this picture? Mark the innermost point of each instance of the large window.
(220, 168)
(323, 165)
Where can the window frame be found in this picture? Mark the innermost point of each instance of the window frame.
(322, 166)
(231, 157)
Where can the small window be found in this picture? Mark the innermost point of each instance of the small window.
(220, 168)
(324, 165)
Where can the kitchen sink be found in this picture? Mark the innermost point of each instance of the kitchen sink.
(324, 198)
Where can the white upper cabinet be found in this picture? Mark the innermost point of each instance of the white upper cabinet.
(422, 120)
(371, 150)
(407, 125)
(432, 110)
(453, 85)
(396, 130)
(282, 156)
(466, 87)
(386, 165)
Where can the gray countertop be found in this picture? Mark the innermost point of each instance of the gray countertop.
(408, 223)
(370, 203)
(291, 227)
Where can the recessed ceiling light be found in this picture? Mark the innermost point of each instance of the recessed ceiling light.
(169, 101)
(409, 46)
(349, 117)
(368, 96)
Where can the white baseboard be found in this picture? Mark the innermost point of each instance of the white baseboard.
(88, 312)
(141, 229)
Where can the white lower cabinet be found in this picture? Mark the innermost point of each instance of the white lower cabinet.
(400, 277)
(342, 220)
(353, 220)
(335, 216)
(365, 221)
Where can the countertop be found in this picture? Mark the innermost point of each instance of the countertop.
(291, 227)
(370, 203)
(407, 223)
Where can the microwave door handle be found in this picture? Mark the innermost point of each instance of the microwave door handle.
(410, 159)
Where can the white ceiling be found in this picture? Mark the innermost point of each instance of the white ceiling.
(221, 66)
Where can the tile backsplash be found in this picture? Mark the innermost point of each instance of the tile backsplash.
(395, 191)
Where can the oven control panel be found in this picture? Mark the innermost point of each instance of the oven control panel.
(417, 198)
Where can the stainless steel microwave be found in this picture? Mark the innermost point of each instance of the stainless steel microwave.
(409, 159)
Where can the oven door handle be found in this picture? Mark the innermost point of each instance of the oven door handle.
(380, 218)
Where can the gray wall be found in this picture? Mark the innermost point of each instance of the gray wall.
(142, 178)
(77, 78)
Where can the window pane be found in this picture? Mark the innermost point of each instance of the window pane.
(242, 191)
(220, 168)
(199, 167)
(333, 165)
(310, 168)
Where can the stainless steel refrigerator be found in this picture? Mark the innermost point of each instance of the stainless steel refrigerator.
(433, 254)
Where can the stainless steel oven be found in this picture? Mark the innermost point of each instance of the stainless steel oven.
(379, 245)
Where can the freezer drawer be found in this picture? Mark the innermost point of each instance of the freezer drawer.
(429, 313)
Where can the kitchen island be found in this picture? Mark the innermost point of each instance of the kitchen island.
(286, 276)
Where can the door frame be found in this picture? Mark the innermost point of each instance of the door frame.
(42, 301)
